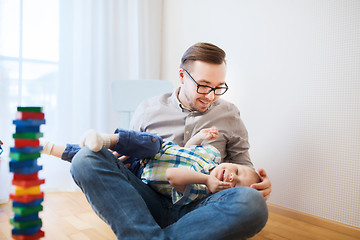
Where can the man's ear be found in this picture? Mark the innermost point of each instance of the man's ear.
(181, 75)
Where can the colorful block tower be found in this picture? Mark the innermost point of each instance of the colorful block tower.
(27, 197)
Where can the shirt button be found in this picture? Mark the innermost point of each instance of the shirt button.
(153, 139)
(187, 132)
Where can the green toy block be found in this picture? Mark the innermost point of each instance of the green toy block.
(25, 224)
(28, 135)
(24, 156)
(29, 109)
(24, 211)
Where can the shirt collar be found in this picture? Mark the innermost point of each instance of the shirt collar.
(174, 99)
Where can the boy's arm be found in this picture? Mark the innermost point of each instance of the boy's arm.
(204, 134)
(180, 177)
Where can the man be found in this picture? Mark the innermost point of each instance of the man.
(134, 210)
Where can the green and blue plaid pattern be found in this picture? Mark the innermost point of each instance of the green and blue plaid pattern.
(200, 158)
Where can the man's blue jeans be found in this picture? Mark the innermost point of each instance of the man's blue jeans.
(134, 211)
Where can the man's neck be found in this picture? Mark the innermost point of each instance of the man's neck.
(182, 101)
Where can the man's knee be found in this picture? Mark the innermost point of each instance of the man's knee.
(255, 201)
(80, 165)
(244, 208)
(255, 212)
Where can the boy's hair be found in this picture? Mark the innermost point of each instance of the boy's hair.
(255, 176)
(205, 52)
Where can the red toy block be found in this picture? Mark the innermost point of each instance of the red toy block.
(26, 143)
(30, 115)
(26, 177)
(26, 198)
(39, 234)
(28, 183)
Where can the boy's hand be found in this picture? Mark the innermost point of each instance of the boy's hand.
(121, 158)
(204, 134)
(215, 185)
(209, 133)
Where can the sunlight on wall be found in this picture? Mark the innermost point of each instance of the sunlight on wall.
(293, 71)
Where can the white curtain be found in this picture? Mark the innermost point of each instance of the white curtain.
(100, 41)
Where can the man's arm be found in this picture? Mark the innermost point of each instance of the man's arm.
(180, 177)
(237, 150)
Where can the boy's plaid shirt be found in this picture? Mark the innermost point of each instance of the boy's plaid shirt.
(200, 158)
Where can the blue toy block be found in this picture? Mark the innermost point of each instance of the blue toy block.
(22, 129)
(23, 164)
(27, 218)
(26, 231)
(29, 122)
(26, 170)
(26, 149)
(34, 203)
(1, 150)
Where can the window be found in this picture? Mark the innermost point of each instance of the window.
(29, 51)
(29, 62)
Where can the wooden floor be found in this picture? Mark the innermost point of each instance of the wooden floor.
(69, 216)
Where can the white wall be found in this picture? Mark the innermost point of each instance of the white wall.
(294, 72)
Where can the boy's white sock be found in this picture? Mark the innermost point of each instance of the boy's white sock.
(95, 141)
(47, 146)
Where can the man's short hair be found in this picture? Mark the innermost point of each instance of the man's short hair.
(205, 52)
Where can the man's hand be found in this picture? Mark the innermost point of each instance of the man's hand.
(264, 186)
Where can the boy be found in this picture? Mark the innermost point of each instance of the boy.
(184, 173)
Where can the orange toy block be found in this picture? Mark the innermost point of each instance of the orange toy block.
(26, 198)
(28, 183)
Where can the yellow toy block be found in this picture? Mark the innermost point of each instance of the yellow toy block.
(19, 191)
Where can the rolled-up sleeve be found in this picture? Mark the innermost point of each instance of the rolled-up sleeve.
(137, 144)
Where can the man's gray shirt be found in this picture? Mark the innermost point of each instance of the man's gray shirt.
(166, 117)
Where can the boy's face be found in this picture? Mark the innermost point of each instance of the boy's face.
(235, 174)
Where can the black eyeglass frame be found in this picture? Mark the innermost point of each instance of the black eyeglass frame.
(211, 88)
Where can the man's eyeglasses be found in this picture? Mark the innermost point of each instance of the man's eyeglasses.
(203, 89)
